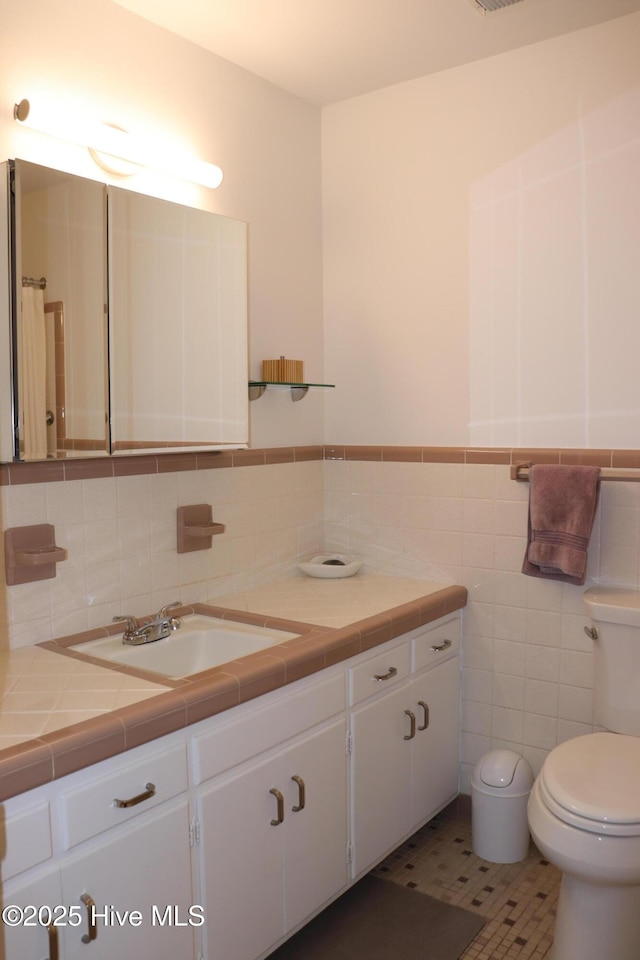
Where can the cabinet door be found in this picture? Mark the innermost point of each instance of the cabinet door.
(265, 865)
(434, 761)
(29, 940)
(241, 863)
(380, 776)
(145, 868)
(315, 835)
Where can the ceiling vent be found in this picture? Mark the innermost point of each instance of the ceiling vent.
(489, 6)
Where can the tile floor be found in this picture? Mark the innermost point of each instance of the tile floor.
(518, 900)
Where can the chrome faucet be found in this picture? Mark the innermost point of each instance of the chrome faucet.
(156, 629)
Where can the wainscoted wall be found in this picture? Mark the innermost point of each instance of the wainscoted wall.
(527, 664)
(120, 533)
(442, 513)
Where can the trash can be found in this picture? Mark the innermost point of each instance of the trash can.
(500, 788)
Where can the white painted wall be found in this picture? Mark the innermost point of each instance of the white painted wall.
(481, 236)
(122, 69)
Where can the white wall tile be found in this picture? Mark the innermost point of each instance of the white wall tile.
(507, 724)
(508, 691)
(540, 732)
(576, 668)
(542, 663)
(476, 685)
(509, 657)
(527, 664)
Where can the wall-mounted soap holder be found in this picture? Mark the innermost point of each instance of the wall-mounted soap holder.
(196, 527)
(31, 553)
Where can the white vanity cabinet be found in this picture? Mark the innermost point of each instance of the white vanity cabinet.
(404, 765)
(273, 831)
(132, 878)
(227, 836)
(31, 939)
(113, 870)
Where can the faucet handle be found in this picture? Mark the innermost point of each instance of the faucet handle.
(132, 622)
(169, 606)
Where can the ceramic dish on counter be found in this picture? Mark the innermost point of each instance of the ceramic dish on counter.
(331, 566)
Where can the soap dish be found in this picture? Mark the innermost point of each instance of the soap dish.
(331, 566)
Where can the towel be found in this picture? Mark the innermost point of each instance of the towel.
(562, 506)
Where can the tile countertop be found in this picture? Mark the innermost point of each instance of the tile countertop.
(60, 713)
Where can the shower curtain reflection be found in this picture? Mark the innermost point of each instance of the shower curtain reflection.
(32, 375)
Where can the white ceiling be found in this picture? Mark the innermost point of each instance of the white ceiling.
(329, 50)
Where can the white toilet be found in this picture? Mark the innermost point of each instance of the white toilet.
(584, 809)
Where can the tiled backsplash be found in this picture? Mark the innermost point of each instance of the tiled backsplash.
(442, 514)
(120, 534)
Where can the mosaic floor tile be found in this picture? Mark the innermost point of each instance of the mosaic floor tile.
(518, 900)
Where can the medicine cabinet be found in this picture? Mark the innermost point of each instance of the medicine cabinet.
(126, 321)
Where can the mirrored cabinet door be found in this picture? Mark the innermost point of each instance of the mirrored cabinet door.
(178, 325)
(60, 314)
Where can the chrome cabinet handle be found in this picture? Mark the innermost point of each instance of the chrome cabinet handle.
(439, 647)
(90, 904)
(301, 794)
(52, 931)
(425, 707)
(280, 814)
(412, 717)
(392, 671)
(149, 791)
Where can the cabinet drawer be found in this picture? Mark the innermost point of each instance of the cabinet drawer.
(379, 672)
(96, 806)
(436, 644)
(260, 729)
(26, 840)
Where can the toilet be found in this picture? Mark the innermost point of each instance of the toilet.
(584, 809)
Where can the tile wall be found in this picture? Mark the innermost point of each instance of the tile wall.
(527, 664)
(120, 534)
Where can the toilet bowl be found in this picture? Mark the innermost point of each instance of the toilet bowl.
(584, 809)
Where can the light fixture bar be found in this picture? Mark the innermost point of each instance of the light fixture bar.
(103, 139)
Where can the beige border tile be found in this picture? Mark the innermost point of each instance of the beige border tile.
(590, 458)
(206, 697)
(24, 767)
(625, 458)
(85, 743)
(152, 718)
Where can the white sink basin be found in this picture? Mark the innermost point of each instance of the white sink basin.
(199, 644)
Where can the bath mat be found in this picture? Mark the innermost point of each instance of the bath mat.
(380, 920)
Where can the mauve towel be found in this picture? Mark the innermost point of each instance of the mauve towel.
(562, 505)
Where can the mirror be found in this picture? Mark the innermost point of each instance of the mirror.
(129, 330)
(60, 330)
(177, 325)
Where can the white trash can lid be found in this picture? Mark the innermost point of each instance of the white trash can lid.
(505, 770)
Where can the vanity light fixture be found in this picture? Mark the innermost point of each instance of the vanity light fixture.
(108, 145)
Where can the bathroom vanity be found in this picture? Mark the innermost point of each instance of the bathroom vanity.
(220, 839)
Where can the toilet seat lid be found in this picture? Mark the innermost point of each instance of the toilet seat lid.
(596, 778)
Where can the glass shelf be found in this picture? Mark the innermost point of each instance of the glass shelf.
(298, 390)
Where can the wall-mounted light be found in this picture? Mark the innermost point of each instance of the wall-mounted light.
(106, 142)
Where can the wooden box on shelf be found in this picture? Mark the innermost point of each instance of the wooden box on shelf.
(283, 370)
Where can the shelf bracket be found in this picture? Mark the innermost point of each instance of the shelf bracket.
(256, 390)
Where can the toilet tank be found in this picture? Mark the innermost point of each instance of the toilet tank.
(615, 614)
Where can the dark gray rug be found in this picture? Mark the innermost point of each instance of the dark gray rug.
(380, 920)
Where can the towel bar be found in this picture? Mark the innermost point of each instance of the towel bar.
(520, 472)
